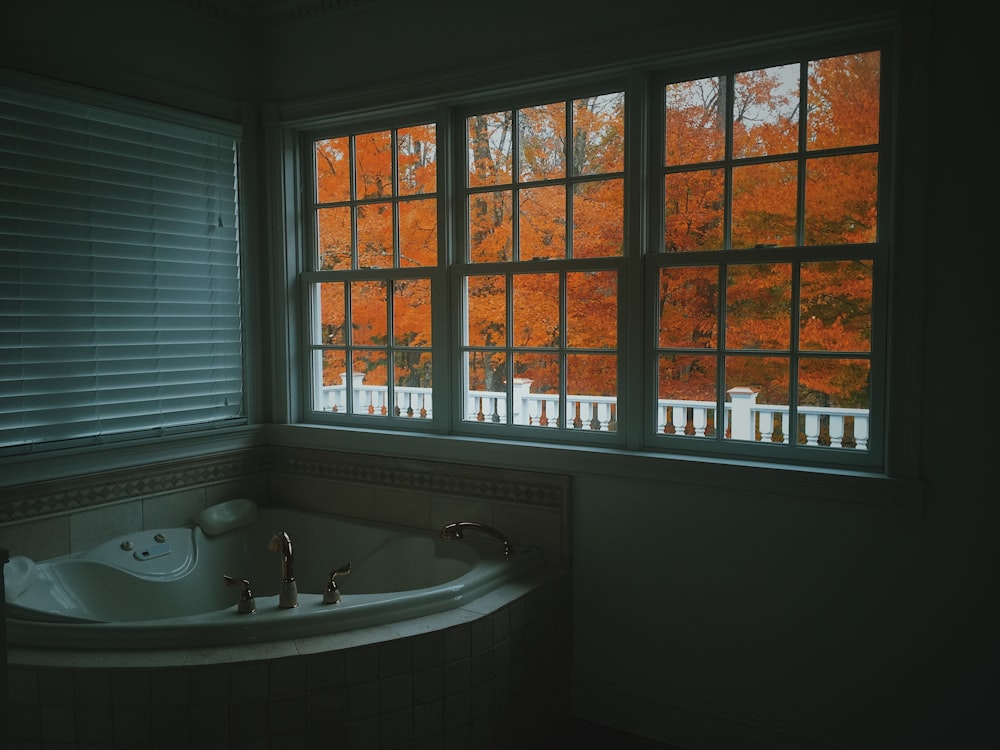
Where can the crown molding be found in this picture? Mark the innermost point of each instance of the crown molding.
(254, 14)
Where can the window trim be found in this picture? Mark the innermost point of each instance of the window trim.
(898, 453)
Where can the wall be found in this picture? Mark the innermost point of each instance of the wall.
(771, 608)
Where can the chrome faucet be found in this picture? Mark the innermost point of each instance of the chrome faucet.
(455, 531)
(288, 593)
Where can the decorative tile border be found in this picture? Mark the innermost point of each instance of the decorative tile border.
(526, 488)
(30, 501)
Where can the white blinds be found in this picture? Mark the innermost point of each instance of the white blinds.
(119, 274)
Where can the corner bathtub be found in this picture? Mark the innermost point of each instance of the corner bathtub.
(165, 588)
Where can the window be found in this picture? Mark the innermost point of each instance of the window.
(119, 272)
(376, 241)
(691, 258)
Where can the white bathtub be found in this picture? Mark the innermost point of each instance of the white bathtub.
(165, 588)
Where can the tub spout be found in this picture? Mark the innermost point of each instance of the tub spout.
(455, 531)
(288, 594)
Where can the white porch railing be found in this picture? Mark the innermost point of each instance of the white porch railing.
(744, 418)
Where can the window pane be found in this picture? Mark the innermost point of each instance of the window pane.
(334, 238)
(417, 159)
(411, 312)
(844, 101)
(686, 389)
(841, 199)
(598, 134)
(695, 122)
(370, 383)
(333, 172)
(836, 306)
(542, 142)
(332, 317)
(764, 198)
(542, 217)
(694, 210)
(333, 393)
(373, 164)
(592, 309)
(834, 402)
(753, 383)
(592, 388)
(689, 307)
(418, 233)
(369, 316)
(487, 382)
(536, 309)
(486, 311)
(759, 306)
(598, 219)
(490, 226)
(490, 149)
(412, 377)
(537, 373)
(766, 112)
(375, 236)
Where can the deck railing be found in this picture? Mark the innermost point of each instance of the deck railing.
(744, 418)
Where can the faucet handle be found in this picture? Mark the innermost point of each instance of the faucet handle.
(332, 594)
(247, 605)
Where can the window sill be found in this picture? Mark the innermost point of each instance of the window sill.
(794, 482)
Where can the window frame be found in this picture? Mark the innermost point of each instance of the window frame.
(641, 231)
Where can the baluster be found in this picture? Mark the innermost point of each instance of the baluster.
(784, 427)
(700, 419)
(860, 432)
(836, 430)
(812, 429)
(766, 425)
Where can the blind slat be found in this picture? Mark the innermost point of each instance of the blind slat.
(120, 301)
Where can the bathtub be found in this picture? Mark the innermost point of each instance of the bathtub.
(196, 586)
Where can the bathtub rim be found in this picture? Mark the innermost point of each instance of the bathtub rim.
(510, 594)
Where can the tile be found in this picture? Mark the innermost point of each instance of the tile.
(395, 657)
(428, 684)
(428, 649)
(396, 728)
(325, 669)
(361, 664)
(39, 540)
(362, 700)
(92, 688)
(88, 528)
(396, 693)
(173, 509)
(401, 508)
(457, 643)
(288, 676)
(428, 718)
(457, 676)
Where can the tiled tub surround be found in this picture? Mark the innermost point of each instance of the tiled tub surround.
(494, 673)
